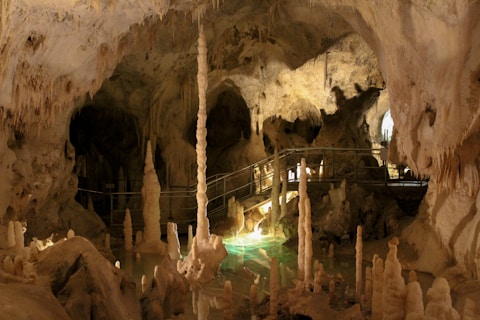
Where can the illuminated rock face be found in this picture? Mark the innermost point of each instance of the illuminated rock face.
(57, 56)
(432, 74)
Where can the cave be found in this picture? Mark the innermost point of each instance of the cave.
(105, 97)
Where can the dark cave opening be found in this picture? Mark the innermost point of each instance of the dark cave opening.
(108, 155)
(228, 123)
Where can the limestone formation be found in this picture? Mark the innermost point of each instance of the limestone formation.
(302, 190)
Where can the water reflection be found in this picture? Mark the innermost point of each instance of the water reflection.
(248, 262)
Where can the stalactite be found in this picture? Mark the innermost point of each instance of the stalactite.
(302, 190)
(359, 268)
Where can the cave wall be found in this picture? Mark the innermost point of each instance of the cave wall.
(53, 55)
(431, 71)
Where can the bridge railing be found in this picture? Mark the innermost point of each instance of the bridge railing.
(325, 165)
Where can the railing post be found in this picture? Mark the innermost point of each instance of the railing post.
(252, 179)
(261, 179)
(224, 190)
(111, 209)
(355, 166)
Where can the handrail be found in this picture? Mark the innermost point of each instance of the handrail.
(334, 163)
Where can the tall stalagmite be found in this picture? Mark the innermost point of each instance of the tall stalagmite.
(302, 190)
(151, 207)
(359, 268)
(275, 193)
(308, 244)
(201, 147)
(207, 251)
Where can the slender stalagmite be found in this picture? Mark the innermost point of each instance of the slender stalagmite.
(308, 244)
(273, 288)
(359, 258)
(201, 147)
(302, 190)
(151, 200)
(227, 301)
(253, 301)
(377, 288)
(275, 193)
(283, 204)
(127, 230)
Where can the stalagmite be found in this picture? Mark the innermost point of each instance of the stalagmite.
(11, 234)
(127, 230)
(190, 237)
(331, 250)
(302, 191)
(208, 251)
(253, 301)
(19, 238)
(394, 290)
(358, 263)
(377, 286)
(469, 310)
(319, 275)
(275, 193)
(144, 283)
(201, 134)
(273, 289)
(138, 237)
(414, 301)
(331, 292)
(227, 301)
(308, 244)
(203, 306)
(439, 304)
(18, 266)
(368, 289)
(8, 265)
(70, 234)
(151, 207)
(283, 204)
(33, 251)
(173, 243)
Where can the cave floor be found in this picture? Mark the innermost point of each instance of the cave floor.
(249, 262)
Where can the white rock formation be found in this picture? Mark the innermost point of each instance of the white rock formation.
(151, 208)
(302, 191)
